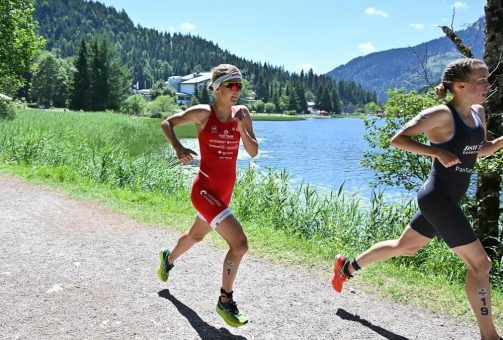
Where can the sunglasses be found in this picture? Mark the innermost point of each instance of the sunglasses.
(233, 86)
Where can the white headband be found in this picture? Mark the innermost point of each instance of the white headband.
(231, 75)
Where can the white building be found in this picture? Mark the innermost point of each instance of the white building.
(186, 86)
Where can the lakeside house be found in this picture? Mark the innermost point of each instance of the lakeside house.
(186, 86)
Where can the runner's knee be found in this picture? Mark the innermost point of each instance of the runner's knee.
(480, 267)
(196, 237)
(406, 248)
(240, 247)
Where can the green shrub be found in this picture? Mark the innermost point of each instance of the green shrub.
(7, 110)
(134, 105)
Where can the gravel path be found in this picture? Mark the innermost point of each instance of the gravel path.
(70, 268)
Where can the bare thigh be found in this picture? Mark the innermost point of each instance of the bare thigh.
(199, 229)
(232, 231)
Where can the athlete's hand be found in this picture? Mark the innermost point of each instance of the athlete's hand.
(240, 115)
(185, 155)
(447, 158)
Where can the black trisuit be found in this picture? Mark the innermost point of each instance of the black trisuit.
(438, 198)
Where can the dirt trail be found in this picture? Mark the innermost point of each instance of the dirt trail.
(70, 268)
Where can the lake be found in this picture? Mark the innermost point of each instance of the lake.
(323, 152)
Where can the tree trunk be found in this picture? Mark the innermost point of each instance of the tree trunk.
(489, 181)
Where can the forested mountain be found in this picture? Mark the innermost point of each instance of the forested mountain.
(401, 67)
(152, 55)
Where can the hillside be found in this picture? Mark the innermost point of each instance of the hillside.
(398, 68)
(151, 55)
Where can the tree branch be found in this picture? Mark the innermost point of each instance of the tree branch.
(461, 47)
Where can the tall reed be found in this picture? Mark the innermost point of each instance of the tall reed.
(105, 148)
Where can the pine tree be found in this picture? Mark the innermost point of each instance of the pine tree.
(99, 76)
(326, 101)
(205, 96)
(336, 102)
(301, 99)
(81, 82)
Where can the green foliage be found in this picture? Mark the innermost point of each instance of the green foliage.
(269, 107)
(204, 96)
(164, 105)
(19, 43)
(337, 221)
(51, 81)
(6, 110)
(81, 93)
(257, 106)
(194, 100)
(134, 105)
(160, 88)
(336, 102)
(372, 108)
(100, 82)
(52, 144)
(392, 166)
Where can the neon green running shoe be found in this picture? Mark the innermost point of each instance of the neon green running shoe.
(230, 313)
(164, 268)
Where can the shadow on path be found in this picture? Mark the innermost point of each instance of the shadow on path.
(205, 331)
(379, 330)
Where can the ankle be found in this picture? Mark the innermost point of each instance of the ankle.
(225, 296)
(354, 266)
(350, 267)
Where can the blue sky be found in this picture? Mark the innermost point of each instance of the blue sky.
(299, 34)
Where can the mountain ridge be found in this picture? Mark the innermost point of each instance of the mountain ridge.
(401, 67)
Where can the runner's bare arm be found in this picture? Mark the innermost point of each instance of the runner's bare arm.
(197, 115)
(430, 122)
(245, 128)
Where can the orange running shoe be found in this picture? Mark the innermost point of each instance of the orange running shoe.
(339, 276)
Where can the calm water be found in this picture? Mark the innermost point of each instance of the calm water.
(323, 152)
(326, 153)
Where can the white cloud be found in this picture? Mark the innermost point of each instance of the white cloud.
(171, 29)
(306, 67)
(367, 47)
(188, 26)
(375, 11)
(459, 4)
(417, 26)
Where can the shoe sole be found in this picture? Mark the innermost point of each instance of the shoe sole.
(227, 321)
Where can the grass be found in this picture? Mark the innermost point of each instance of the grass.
(276, 117)
(91, 158)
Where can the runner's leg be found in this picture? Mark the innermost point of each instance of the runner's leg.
(477, 286)
(232, 232)
(195, 234)
(406, 245)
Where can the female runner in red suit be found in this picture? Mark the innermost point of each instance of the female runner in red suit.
(220, 128)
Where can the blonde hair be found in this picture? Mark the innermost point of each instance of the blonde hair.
(220, 70)
(458, 70)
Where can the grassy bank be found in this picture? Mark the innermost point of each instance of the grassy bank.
(118, 160)
(276, 117)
